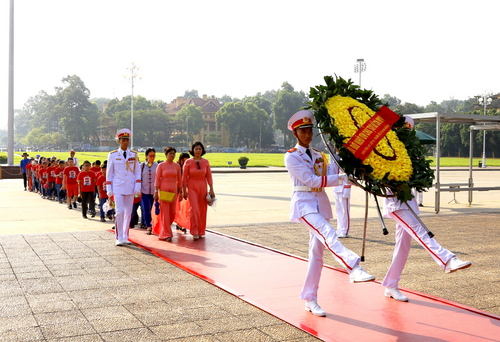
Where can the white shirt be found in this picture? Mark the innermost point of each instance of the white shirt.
(302, 171)
(123, 175)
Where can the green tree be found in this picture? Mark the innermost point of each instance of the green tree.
(229, 117)
(407, 108)
(288, 102)
(390, 100)
(78, 116)
(265, 134)
(100, 101)
(268, 95)
(36, 137)
(191, 118)
(191, 94)
(244, 122)
(226, 98)
(260, 102)
(212, 138)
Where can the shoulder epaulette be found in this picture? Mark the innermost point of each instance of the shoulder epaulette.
(134, 151)
(315, 149)
(113, 151)
(292, 150)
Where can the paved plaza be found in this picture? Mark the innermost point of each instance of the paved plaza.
(63, 279)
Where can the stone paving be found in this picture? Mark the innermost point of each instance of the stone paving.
(62, 278)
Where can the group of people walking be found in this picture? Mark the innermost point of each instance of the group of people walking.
(311, 174)
(66, 182)
(181, 191)
(167, 192)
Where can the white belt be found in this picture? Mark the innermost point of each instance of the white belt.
(307, 188)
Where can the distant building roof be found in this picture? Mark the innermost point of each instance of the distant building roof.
(207, 104)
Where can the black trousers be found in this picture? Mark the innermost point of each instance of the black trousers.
(88, 196)
(25, 180)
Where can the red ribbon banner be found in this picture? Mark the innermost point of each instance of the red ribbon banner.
(368, 136)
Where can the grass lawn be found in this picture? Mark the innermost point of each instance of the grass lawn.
(222, 159)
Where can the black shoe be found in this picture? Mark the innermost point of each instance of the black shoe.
(70, 207)
(84, 216)
(74, 205)
(103, 219)
(92, 213)
(420, 205)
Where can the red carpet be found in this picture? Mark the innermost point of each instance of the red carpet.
(271, 281)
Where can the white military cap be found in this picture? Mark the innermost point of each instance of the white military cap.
(123, 133)
(301, 119)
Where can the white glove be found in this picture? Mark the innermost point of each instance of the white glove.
(110, 193)
(343, 178)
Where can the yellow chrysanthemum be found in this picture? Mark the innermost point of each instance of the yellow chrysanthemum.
(389, 155)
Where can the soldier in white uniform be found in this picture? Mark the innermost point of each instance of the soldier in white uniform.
(342, 196)
(408, 227)
(310, 206)
(123, 180)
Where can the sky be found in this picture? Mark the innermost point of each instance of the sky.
(417, 51)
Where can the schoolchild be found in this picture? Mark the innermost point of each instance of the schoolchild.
(58, 173)
(101, 189)
(70, 175)
(86, 186)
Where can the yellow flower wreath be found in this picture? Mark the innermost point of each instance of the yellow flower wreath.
(389, 155)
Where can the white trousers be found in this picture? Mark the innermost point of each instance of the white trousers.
(408, 227)
(123, 208)
(420, 197)
(343, 211)
(322, 235)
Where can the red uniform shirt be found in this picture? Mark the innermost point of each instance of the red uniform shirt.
(71, 174)
(101, 183)
(59, 175)
(28, 168)
(95, 170)
(44, 175)
(87, 181)
(52, 174)
(35, 170)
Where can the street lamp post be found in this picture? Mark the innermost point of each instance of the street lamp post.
(360, 67)
(132, 75)
(485, 100)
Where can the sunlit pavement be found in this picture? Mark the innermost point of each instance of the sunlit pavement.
(78, 284)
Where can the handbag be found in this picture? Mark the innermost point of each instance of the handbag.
(166, 196)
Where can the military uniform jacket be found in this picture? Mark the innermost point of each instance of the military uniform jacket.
(123, 175)
(310, 173)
